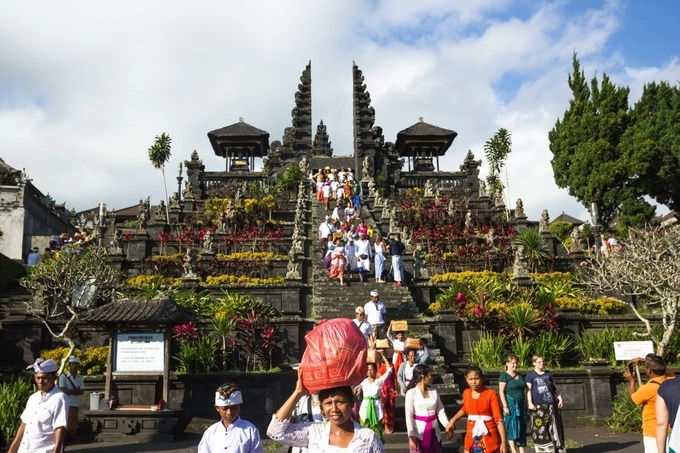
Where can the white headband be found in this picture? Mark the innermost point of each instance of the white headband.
(232, 400)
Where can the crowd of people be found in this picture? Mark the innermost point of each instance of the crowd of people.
(352, 246)
(57, 242)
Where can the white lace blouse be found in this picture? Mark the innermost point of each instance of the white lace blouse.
(315, 437)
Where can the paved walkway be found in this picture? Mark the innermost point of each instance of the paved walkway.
(591, 440)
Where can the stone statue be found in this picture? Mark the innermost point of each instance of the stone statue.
(498, 198)
(482, 188)
(468, 219)
(188, 191)
(419, 268)
(519, 209)
(117, 238)
(451, 208)
(160, 211)
(194, 155)
(238, 196)
(519, 268)
(304, 165)
(293, 263)
(142, 214)
(174, 201)
(491, 236)
(208, 241)
(544, 223)
(576, 240)
(428, 190)
(367, 167)
(189, 262)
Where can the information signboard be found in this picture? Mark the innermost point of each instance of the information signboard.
(628, 350)
(140, 352)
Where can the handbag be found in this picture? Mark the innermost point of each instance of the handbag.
(363, 256)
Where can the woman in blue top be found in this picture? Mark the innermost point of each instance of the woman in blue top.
(544, 403)
(511, 389)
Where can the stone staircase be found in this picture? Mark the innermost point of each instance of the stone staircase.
(331, 300)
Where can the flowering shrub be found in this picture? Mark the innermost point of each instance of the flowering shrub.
(92, 360)
(237, 280)
(152, 280)
(185, 333)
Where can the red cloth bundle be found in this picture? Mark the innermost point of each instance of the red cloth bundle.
(335, 356)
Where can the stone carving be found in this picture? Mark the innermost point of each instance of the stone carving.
(491, 236)
(419, 268)
(428, 190)
(190, 259)
(451, 208)
(482, 188)
(304, 166)
(160, 211)
(194, 156)
(174, 201)
(519, 209)
(367, 168)
(468, 219)
(117, 248)
(293, 263)
(544, 223)
(208, 241)
(498, 198)
(188, 191)
(576, 240)
(520, 268)
(143, 211)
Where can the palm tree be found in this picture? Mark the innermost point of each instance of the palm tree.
(535, 247)
(159, 154)
(496, 150)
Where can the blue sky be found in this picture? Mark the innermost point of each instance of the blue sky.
(84, 90)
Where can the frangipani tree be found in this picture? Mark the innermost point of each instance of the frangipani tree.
(67, 283)
(646, 264)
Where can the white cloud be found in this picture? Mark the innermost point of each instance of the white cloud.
(84, 90)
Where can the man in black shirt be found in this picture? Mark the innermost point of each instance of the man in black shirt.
(396, 250)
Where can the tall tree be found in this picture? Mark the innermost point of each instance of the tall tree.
(652, 143)
(496, 150)
(159, 154)
(588, 158)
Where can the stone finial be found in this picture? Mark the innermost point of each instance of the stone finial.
(519, 209)
(544, 223)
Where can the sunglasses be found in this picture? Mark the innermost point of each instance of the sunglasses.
(225, 391)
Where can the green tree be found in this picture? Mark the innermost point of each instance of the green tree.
(588, 157)
(652, 143)
(496, 150)
(159, 155)
(67, 284)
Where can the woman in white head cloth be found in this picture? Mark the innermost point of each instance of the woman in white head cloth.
(231, 434)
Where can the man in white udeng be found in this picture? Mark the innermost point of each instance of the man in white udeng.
(43, 422)
(375, 311)
(231, 434)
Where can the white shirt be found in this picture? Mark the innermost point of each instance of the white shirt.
(240, 437)
(326, 190)
(373, 389)
(365, 327)
(416, 404)
(374, 312)
(326, 229)
(73, 400)
(43, 416)
(315, 437)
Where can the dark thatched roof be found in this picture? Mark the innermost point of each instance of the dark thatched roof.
(239, 135)
(155, 311)
(567, 218)
(423, 134)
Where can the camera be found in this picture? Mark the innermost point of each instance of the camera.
(631, 367)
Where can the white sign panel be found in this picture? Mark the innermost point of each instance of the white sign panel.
(627, 350)
(140, 352)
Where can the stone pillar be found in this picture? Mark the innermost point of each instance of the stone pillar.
(446, 331)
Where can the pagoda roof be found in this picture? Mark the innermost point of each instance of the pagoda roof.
(239, 135)
(427, 135)
(160, 310)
